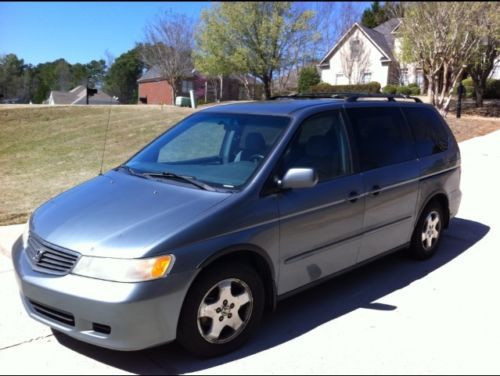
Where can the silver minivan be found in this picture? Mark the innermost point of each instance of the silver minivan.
(233, 209)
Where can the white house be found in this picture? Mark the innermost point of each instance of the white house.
(78, 95)
(363, 55)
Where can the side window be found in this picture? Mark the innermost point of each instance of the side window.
(382, 136)
(427, 128)
(322, 144)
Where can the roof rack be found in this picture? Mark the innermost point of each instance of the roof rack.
(348, 97)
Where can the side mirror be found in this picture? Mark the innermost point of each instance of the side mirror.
(299, 178)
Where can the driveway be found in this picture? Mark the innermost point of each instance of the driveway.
(393, 316)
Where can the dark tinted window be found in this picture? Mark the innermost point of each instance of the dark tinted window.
(382, 136)
(320, 144)
(430, 136)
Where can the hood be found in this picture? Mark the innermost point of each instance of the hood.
(120, 215)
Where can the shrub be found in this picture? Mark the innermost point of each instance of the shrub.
(405, 90)
(390, 89)
(492, 89)
(323, 87)
(308, 77)
(414, 89)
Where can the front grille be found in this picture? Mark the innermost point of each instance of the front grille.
(50, 259)
(54, 314)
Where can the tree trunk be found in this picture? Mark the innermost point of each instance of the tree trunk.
(221, 79)
(479, 87)
(267, 87)
(174, 93)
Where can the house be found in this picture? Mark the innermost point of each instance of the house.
(78, 95)
(363, 55)
(154, 89)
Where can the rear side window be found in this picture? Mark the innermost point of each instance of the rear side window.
(382, 136)
(430, 135)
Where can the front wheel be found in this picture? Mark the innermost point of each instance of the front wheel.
(427, 233)
(222, 310)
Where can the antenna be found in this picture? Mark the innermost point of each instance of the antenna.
(106, 134)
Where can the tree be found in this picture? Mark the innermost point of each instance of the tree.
(96, 71)
(488, 50)
(168, 46)
(355, 60)
(374, 16)
(257, 37)
(308, 77)
(442, 37)
(11, 72)
(121, 79)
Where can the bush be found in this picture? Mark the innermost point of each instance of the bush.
(492, 89)
(411, 89)
(323, 87)
(308, 77)
(390, 89)
(414, 89)
(468, 86)
(404, 90)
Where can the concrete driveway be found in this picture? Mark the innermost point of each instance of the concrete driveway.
(394, 316)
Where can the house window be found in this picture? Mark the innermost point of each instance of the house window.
(186, 86)
(367, 77)
(419, 78)
(338, 78)
(355, 48)
(404, 76)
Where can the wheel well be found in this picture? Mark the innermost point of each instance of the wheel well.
(261, 266)
(443, 201)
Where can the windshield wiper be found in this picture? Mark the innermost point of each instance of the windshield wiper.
(130, 170)
(188, 179)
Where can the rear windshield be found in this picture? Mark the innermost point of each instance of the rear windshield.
(218, 149)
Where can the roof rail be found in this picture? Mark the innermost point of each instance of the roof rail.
(348, 97)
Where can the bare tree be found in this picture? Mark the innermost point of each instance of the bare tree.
(442, 37)
(168, 47)
(355, 60)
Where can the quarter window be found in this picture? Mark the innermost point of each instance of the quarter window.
(382, 136)
(427, 128)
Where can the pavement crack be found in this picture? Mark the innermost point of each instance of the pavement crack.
(28, 341)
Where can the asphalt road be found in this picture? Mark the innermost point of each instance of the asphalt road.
(395, 316)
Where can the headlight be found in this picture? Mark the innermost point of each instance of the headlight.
(26, 234)
(124, 270)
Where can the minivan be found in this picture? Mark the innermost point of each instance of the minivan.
(236, 207)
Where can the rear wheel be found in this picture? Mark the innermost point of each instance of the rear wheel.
(427, 233)
(222, 310)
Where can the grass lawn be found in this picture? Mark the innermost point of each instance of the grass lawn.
(45, 150)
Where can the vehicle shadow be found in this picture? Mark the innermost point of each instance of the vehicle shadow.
(303, 312)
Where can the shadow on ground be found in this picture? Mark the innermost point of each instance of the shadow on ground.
(303, 312)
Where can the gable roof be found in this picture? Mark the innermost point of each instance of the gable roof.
(382, 38)
(78, 95)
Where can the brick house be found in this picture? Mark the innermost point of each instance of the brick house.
(154, 89)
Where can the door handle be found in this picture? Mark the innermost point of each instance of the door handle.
(376, 190)
(351, 195)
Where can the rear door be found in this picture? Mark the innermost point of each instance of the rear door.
(320, 227)
(390, 171)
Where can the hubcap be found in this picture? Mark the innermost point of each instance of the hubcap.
(431, 230)
(225, 311)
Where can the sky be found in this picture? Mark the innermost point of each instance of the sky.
(80, 31)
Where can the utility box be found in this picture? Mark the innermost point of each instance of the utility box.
(182, 101)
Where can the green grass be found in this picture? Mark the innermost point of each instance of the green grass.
(46, 150)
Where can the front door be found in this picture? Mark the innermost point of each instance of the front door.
(319, 226)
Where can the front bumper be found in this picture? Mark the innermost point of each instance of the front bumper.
(137, 315)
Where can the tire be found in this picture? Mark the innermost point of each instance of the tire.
(428, 232)
(232, 296)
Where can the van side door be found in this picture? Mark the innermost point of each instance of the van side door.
(390, 170)
(320, 227)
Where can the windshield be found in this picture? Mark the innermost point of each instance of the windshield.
(219, 149)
